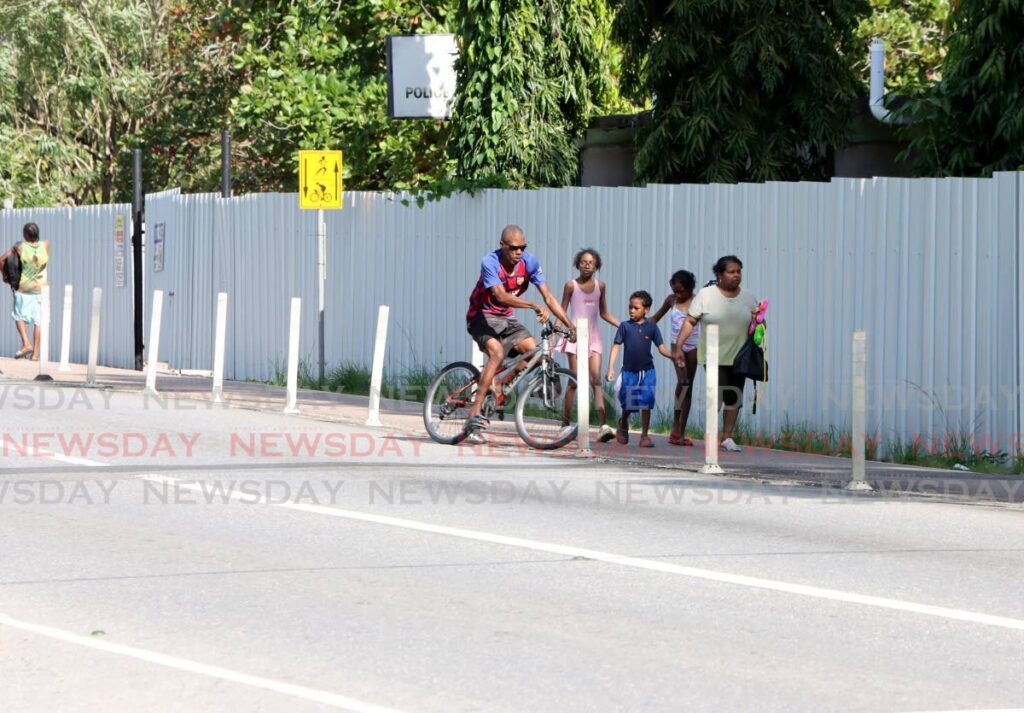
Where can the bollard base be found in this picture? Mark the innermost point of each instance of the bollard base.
(712, 469)
(291, 409)
(861, 486)
(43, 377)
(584, 453)
(374, 422)
(150, 392)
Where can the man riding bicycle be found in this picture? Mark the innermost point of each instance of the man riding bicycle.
(505, 274)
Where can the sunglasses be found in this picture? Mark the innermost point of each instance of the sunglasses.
(515, 248)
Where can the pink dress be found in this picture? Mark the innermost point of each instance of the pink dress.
(585, 305)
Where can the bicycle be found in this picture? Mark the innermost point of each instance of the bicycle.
(540, 411)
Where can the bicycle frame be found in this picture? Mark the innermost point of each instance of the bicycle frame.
(541, 352)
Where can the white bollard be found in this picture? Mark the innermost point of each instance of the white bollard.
(711, 417)
(65, 332)
(583, 386)
(377, 375)
(94, 336)
(293, 357)
(218, 347)
(860, 359)
(154, 342)
(44, 337)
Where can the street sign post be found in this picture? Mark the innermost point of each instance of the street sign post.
(320, 179)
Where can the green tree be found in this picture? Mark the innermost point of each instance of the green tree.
(531, 74)
(743, 90)
(80, 80)
(913, 32)
(971, 123)
(314, 76)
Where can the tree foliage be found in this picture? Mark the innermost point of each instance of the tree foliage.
(743, 90)
(531, 74)
(913, 31)
(78, 80)
(971, 123)
(314, 76)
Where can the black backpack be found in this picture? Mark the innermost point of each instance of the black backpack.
(12, 268)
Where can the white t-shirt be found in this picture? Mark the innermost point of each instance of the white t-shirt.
(731, 314)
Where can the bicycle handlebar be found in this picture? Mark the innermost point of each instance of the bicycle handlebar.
(552, 328)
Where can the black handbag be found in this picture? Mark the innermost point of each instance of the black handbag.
(750, 362)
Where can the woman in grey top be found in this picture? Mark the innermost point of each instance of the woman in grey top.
(731, 308)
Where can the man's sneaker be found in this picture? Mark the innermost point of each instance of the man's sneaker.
(730, 445)
(475, 438)
(605, 433)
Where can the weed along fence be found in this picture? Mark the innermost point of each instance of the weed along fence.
(931, 269)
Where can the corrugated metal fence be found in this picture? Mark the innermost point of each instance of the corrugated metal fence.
(932, 269)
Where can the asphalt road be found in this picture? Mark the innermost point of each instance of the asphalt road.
(199, 559)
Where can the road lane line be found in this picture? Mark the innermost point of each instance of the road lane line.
(624, 560)
(72, 460)
(310, 694)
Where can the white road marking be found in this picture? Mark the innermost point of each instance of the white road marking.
(626, 561)
(310, 694)
(72, 460)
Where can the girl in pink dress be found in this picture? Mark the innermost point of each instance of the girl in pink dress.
(584, 297)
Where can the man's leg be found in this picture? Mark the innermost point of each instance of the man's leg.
(25, 343)
(495, 355)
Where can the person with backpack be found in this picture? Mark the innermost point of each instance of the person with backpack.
(24, 269)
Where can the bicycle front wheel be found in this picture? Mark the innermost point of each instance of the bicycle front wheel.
(541, 411)
(447, 402)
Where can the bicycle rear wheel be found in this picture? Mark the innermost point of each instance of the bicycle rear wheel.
(541, 408)
(447, 402)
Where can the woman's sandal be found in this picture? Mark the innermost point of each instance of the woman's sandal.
(674, 439)
(23, 352)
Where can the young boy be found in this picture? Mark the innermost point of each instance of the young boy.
(638, 377)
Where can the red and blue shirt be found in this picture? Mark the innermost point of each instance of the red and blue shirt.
(516, 281)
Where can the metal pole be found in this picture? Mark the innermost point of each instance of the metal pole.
(94, 336)
(225, 164)
(860, 359)
(154, 341)
(321, 249)
(65, 331)
(138, 209)
(583, 386)
(44, 337)
(293, 357)
(711, 415)
(218, 347)
(377, 375)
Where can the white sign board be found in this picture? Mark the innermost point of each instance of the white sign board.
(421, 76)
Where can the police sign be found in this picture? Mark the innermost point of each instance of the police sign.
(421, 76)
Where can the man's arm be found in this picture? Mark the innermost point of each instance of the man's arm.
(552, 303)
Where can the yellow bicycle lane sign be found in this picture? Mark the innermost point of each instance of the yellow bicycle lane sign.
(320, 179)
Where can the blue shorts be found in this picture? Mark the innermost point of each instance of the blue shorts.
(27, 308)
(637, 390)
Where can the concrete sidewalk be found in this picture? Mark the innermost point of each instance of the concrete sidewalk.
(760, 464)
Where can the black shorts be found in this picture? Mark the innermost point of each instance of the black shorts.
(730, 387)
(506, 330)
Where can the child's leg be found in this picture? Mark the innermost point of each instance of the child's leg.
(687, 400)
(570, 393)
(681, 392)
(595, 381)
(645, 421)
